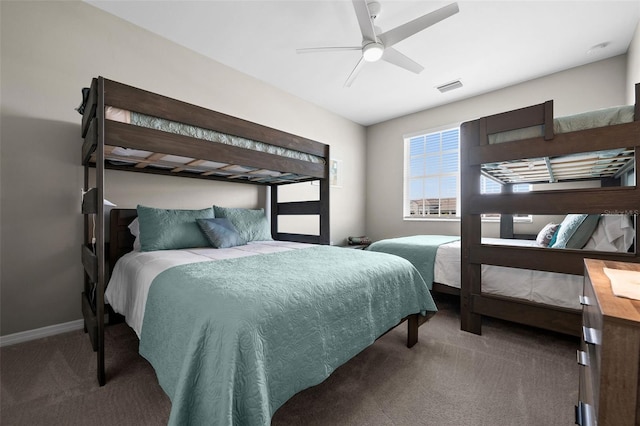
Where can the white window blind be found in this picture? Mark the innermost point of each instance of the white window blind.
(432, 175)
(488, 186)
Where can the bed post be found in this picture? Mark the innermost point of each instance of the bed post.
(325, 233)
(100, 240)
(412, 330)
(274, 210)
(636, 110)
(506, 220)
(470, 229)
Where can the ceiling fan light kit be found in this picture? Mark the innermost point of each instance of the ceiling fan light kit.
(377, 45)
(372, 52)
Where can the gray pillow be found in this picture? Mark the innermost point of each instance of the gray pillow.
(252, 225)
(170, 229)
(221, 233)
(583, 232)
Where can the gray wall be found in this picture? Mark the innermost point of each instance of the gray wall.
(588, 87)
(50, 50)
(633, 65)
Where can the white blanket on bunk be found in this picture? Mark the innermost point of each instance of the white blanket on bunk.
(537, 286)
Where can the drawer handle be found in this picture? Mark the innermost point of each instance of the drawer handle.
(584, 414)
(591, 335)
(583, 358)
(584, 300)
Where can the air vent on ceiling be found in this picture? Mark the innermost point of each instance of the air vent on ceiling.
(450, 86)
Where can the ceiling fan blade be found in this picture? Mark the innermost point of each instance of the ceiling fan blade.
(364, 19)
(327, 49)
(398, 34)
(394, 57)
(354, 73)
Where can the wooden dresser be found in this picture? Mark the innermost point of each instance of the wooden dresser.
(610, 351)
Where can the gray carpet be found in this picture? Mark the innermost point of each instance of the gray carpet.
(511, 375)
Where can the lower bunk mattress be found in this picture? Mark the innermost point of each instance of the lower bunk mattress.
(443, 253)
(232, 339)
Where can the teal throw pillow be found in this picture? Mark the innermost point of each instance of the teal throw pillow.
(171, 229)
(251, 224)
(221, 233)
(568, 227)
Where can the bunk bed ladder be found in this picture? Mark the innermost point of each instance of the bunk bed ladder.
(93, 249)
(318, 207)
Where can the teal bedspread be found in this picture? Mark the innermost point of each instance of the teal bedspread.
(420, 250)
(232, 340)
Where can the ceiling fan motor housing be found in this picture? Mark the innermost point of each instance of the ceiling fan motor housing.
(374, 9)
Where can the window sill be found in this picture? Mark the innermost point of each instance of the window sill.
(431, 219)
(457, 219)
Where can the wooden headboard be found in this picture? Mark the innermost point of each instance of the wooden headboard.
(120, 238)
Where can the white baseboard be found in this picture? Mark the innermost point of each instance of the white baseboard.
(52, 330)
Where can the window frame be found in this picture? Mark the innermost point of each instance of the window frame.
(406, 138)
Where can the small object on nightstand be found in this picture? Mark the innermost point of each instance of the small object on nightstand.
(359, 241)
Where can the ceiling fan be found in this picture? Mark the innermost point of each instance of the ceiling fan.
(377, 45)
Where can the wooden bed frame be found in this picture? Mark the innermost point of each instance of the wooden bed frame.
(475, 150)
(102, 135)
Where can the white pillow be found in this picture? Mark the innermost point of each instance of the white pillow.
(546, 234)
(134, 228)
(614, 233)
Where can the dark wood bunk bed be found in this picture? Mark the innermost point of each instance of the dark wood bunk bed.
(476, 151)
(103, 137)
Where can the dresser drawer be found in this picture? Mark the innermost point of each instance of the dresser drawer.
(588, 356)
(585, 415)
(591, 314)
(589, 374)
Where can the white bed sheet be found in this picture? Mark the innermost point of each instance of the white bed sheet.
(133, 273)
(550, 288)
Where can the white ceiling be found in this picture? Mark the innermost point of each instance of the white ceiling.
(487, 45)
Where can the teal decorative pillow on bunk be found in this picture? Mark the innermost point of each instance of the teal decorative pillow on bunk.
(221, 233)
(575, 230)
(252, 225)
(171, 229)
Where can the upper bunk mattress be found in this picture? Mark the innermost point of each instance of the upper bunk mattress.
(585, 165)
(275, 172)
(571, 123)
(151, 122)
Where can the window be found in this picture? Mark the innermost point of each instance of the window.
(488, 186)
(432, 175)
